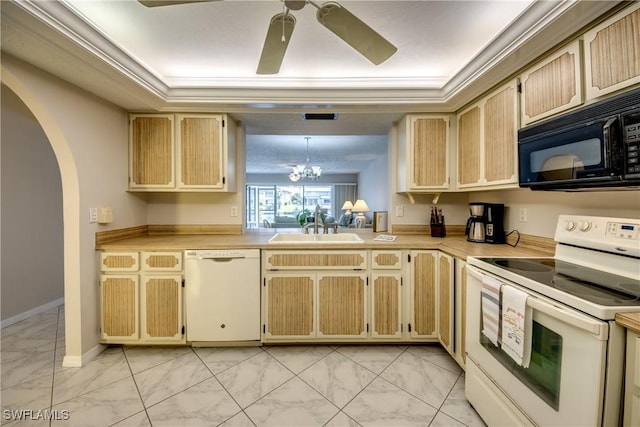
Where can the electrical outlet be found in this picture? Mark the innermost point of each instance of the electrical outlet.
(523, 215)
(93, 215)
(399, 210)
(234, 211)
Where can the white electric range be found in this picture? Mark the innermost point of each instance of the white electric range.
(575, 374)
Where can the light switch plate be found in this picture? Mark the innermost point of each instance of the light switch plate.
(93, 215)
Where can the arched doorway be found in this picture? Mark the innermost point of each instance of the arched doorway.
(32, 226)
(70, 213)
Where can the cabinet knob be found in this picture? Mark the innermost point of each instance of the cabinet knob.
(223, 326)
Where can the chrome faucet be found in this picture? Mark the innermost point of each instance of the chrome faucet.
(316, 217)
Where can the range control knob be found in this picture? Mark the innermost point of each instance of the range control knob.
(569, 225)
(585, 225)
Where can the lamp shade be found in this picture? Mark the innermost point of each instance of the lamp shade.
(347, 205)
(360, 206)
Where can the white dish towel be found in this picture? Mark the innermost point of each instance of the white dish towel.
(516, 325)
(491, 308)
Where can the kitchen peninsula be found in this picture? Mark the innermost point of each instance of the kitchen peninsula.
(407, 290)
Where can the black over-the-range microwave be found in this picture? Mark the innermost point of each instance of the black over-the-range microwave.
(597, 146)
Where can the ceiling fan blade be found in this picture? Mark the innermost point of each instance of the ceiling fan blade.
(354, 32)
(276, 43)
(156, 3)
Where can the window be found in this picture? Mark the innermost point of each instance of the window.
(281, 203)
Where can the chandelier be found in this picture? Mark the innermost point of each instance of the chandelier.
(307, 171)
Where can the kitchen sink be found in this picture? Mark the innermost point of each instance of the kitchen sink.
(344, 237)
(289, 238)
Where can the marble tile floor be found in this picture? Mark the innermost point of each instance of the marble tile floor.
(322, 385)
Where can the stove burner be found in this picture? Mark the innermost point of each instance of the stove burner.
(516, 264)
(595, 286)
(593, 292)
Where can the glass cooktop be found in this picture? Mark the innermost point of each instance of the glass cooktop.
(596, 286)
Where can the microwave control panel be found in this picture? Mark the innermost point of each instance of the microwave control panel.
(631, 135)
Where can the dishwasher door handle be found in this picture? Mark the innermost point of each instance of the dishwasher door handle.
(226, 259)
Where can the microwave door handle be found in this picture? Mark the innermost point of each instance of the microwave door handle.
(608, 144)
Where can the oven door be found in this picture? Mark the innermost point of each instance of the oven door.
(564, 383)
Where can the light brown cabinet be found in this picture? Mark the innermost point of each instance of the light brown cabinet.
(423, 153)
(141, 303)
(120, 302)
(342, 309)
(553, 85)
(632, 381)
(289, 309)
(181, 152)
(386, 294)
(423, 294)
(161, 316)
(488, 139)
(460, 286)
(315, 295)
(445, 308)
(612, 53)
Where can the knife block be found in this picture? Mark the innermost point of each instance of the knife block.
(438, 230)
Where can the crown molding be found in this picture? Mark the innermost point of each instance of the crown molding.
(122, 79)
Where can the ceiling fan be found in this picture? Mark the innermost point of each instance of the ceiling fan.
(332, 15)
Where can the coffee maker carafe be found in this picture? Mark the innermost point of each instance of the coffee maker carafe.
(475, 228)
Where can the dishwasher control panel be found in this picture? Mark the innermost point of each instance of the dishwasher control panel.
(221, 253)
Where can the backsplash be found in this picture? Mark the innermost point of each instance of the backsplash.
(543, 207)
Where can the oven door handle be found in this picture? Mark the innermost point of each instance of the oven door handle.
(579, 321)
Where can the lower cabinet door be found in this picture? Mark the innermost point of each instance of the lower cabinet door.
(161, 308)
(119, 304)
(423, 273)
(342, 308)
(289, 306)
(386, 305)
(445, 302)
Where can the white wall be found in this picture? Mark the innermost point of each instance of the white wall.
(543, 207)
(32, 230)
(89, 139)
(373, 186)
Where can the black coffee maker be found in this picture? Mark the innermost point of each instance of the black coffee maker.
(494, 223)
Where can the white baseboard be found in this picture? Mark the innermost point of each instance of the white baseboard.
(29, 313)
(80, 361)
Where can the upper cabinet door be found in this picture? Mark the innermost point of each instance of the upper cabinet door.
(552, 85)
(612, 53)
(487, 140)
(201, 151)
(197, 148)
(151, 151)
(500, 132)
(469, 141)
(423, 153)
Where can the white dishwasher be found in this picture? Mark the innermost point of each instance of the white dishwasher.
(222, 289)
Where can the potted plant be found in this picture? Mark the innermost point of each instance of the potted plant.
(302, 217)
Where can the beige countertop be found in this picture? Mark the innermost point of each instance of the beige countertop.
(629, 320)
(454, 245)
